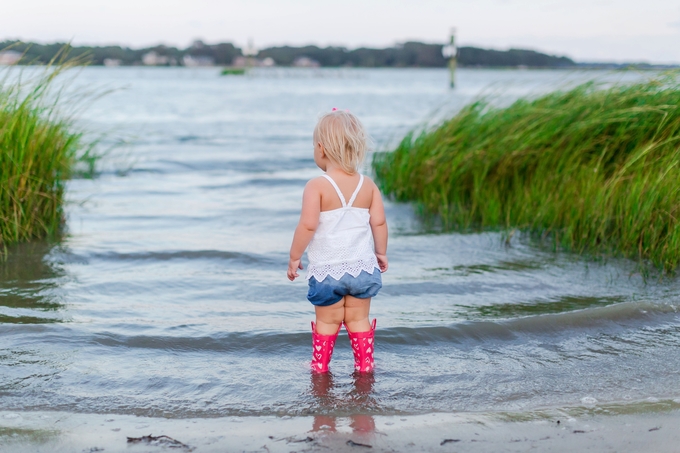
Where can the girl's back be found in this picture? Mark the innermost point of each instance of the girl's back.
(346, 183)
(343, 241)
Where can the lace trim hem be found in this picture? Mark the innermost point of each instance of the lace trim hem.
(337, 270)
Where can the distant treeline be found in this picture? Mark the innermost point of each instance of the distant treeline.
(410, 54)
(221, 54)
(414, 54)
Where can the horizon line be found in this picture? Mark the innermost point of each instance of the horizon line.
(349, 48)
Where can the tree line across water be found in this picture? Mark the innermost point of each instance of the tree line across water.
(409, 54)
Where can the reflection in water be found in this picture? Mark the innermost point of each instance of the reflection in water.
(562, 304)
(29, 295)
(27, 280)
(359, 398)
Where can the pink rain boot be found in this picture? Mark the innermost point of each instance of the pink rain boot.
(363, 344)
(322, 350)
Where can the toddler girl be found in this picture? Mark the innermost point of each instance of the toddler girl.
(343, 228)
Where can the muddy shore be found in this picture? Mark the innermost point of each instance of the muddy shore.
(542, 431)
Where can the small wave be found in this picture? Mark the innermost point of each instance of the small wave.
(456, 289)
(4, 319)
(188, 138)
(610, 319)
(622, 314)
(170, 166)
(272, 342)
(238, 257)
(465, 270)
(614, 318)
(559, 305)
(259, 182)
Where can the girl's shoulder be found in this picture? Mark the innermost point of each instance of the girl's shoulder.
(315, 187)
(369, 182)
(316, 183)
(321, 183)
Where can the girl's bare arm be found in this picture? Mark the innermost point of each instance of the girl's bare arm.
(309, 221)
(379, 228)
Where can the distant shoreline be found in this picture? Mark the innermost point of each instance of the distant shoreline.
(200, 54)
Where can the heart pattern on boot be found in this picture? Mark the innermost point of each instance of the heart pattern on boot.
(322, 350)
(362, 346)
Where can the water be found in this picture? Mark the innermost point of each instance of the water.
(169, 296)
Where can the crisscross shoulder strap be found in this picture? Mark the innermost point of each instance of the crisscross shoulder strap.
(337, 189)
(356, 191)
(341, 196)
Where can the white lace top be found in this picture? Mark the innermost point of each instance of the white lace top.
(343, 241)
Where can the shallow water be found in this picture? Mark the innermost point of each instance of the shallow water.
(169, 295)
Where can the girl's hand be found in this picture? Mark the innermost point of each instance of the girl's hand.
(382, 262)
(293, 266)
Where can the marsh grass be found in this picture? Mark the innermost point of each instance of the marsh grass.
(40, 148)
(594, 168)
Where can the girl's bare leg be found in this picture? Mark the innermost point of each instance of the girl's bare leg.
(361, 333)
(329, 318)
(356, 314)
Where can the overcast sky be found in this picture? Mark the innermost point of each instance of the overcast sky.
(586, 30)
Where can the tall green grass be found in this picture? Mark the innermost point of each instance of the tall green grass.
(595, 168)
(39, 149)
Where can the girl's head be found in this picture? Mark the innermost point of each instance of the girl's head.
(342, 139)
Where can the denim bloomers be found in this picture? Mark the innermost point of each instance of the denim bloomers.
(330, 291)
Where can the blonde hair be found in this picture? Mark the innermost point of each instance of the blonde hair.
(344, 139)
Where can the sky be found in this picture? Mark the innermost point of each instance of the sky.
(585, 30)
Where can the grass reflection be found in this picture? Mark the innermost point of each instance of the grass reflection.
(27, 281)
(465, 270)
(561, 305)
(20, 436)
(26, 320)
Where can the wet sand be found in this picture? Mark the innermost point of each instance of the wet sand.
(506, 432)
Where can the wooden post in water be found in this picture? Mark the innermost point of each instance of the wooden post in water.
(449, 51)
(250, 52)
